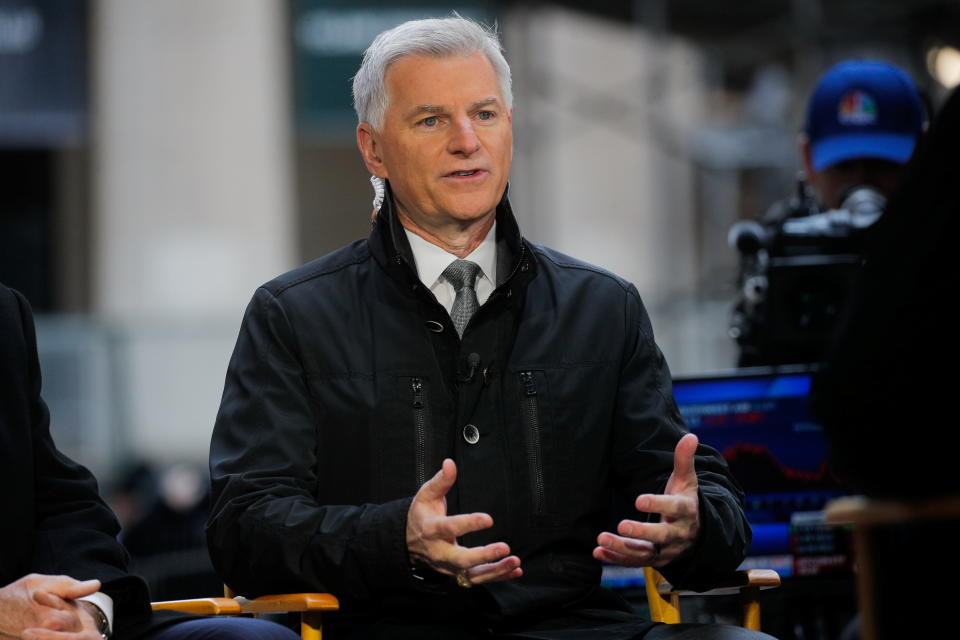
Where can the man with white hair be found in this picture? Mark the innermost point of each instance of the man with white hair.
(447, 341)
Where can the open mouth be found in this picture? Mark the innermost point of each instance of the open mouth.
(465, 174)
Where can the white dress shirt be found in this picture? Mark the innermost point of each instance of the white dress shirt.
(431, 260)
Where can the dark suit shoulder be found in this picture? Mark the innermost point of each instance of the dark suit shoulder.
(568, 267)
(16, 333)
(14, 308)
(333, 263)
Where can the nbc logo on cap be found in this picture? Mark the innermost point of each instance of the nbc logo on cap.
(857, 107)
(863, 109)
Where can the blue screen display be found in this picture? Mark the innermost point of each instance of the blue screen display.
(760, 423)
(762, 427)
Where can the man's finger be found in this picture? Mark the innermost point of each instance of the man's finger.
(630, 547)
(609, 556)
(671, 506)
(459, 525)
(438, 486)
(506, 569)
(465, 558)
(47, 599)
(658, 532)
(58, 620)
(683, 466)
(48, 634)
(68, 588)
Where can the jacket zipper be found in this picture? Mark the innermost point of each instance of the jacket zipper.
(531, 419)
(420, 426)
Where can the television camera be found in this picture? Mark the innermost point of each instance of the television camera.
(797, 268)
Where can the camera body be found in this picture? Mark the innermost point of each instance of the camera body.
(797, 269)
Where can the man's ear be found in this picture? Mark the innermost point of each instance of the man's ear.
(369, 149)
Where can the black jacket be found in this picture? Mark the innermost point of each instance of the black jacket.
(348, 386)
(54, 521)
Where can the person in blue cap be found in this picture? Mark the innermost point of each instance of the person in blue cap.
(863, 121)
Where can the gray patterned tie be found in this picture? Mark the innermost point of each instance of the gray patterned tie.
(462, 274)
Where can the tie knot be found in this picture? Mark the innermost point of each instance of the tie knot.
(461, 273)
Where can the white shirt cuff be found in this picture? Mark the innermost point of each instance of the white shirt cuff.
(103, 602)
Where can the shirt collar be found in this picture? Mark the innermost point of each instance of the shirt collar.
(431, 260)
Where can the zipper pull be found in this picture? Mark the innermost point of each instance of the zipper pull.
(417, 393)
(527, 378)
(473, 361)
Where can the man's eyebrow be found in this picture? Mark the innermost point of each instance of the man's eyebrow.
(425, 108)
(486, 102)
(434, 108)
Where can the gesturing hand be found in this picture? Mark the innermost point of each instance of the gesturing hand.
(432, 535)
(641, 544)
(41, 607)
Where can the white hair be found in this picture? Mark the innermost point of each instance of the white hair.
(436, 37)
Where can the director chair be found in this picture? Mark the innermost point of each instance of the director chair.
(663, 599)
(310, 606)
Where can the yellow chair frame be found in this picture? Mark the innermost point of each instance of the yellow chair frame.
(310, 606)
(664, 600)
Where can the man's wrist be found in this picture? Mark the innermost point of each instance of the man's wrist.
(424, 573)
(99, 618)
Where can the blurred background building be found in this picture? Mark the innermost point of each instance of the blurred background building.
(160, 160)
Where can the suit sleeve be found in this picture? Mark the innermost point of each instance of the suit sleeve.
(267, 532)
(75, 532)
(647, 428)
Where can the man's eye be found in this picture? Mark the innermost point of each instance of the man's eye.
(486, 115)
(429, 122)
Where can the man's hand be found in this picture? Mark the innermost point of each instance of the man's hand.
(39, 607)
(655, 544)
(432, 535)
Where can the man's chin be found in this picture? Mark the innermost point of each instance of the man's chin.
(469, 210)
(470, 216)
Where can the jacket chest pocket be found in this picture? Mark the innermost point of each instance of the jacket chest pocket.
(563, 428)
(409, 442)
(421, 420)
(530, 417)
(540, 441)
(381, 427)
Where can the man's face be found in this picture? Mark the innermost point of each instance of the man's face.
(446, 143)
(833, 182)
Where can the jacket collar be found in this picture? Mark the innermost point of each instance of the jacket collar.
(390, 247)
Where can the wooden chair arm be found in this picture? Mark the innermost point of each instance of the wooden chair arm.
(863, 511)
(202, 606)
(289, 602)
(735, 583)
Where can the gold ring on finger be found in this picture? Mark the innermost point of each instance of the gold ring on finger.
(463, 580)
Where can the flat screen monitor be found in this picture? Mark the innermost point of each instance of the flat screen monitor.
(759, 421)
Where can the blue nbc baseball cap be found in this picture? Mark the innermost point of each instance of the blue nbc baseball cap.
(863, 109)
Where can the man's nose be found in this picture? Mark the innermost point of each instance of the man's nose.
(463, 139)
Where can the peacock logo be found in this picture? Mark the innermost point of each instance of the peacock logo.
(857, 108)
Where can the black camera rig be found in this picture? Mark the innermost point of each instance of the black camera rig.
(797, 268)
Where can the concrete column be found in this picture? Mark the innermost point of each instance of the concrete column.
(192, 199)
(193, 206)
